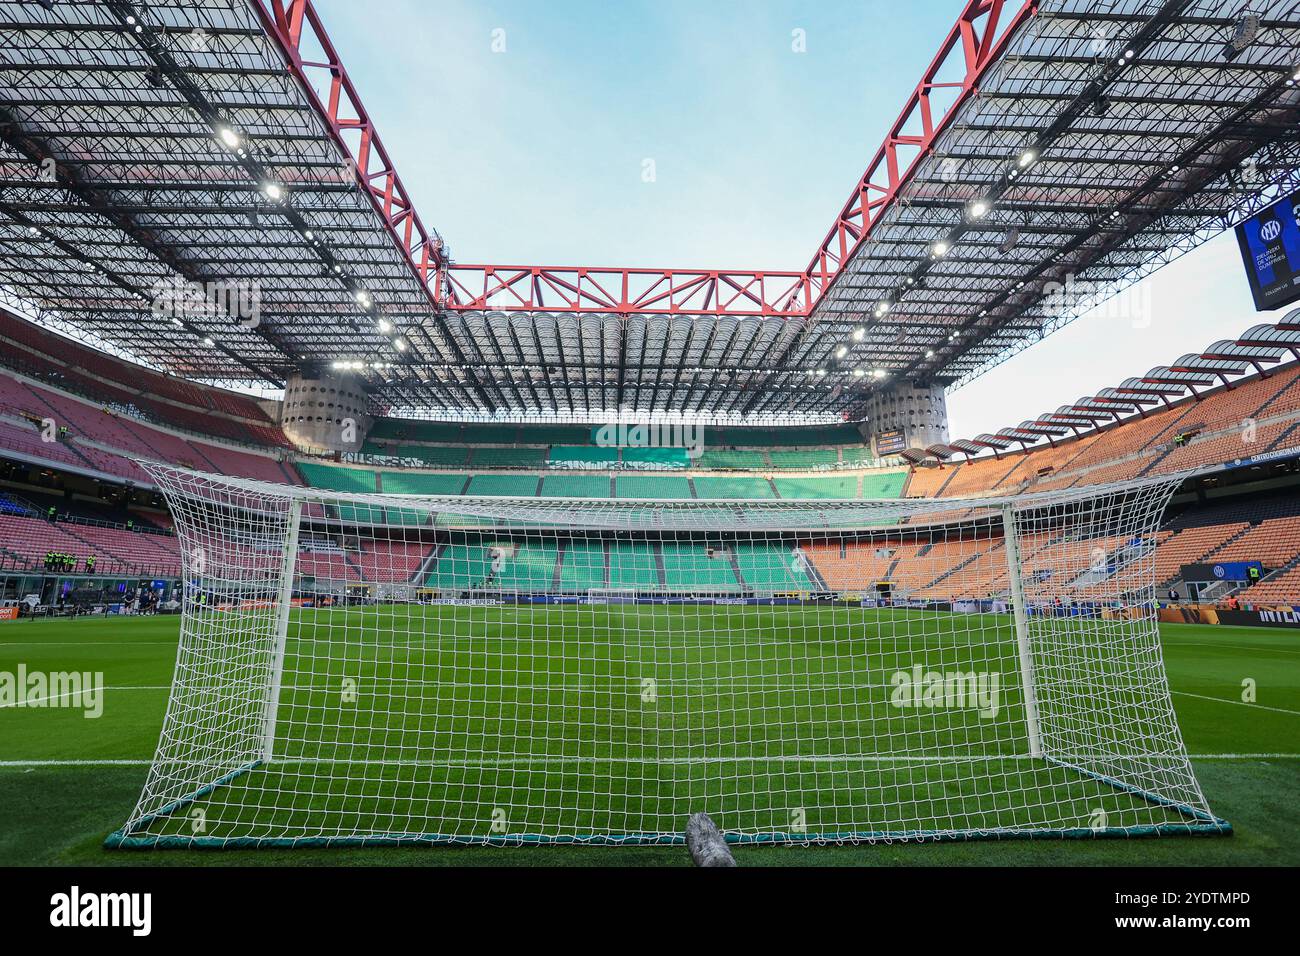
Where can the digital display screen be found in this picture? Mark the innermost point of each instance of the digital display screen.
(891, 441)
(1270, 249)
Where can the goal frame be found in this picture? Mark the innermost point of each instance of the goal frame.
(1196, 819)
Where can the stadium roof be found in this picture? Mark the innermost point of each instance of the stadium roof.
(1052, 153)
(1223, 363)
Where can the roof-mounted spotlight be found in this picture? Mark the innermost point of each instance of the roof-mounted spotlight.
(858, 373)
(273, 190)
(859, 334)
(882, 307)
(842, 351)
(940, 249)
(1027, 158)
(384, 326)
(878, 373)
(978, 209)
(229, 137)
(399, 344)
(929, 353)
(209, 343)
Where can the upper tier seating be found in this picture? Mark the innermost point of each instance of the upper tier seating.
(733, 459)
(163, 398)
(115, 437)
(804, 458)
(491, 456)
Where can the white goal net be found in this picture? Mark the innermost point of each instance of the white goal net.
(387, 669)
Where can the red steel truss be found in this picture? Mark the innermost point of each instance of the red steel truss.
(977, 38)
(626, 291)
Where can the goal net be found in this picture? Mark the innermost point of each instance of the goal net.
(387, 669)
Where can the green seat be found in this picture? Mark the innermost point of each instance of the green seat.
(582, 566)
(420, 483)
(728, 486)
(459, 567)
(336, 478)
(439, 456)
(659, 457)
(885, 484)
(634, 565)
(838, 486)
(651, 486)
(734, 459)
(772, 567)
(528, 568)
(804, 458)
(498, 457)
(584, 455)
(505, 486)
(561, 485)
(688, 567)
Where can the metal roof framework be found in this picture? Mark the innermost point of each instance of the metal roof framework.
(1053, 154)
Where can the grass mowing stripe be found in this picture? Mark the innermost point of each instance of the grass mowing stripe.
(90, 772)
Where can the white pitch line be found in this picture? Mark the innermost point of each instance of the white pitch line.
(1242, 703)
(564, 761)
(103, 643)
(37, 702)
(1233, 647)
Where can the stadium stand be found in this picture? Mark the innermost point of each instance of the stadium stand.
(163, 399)
(104, 420)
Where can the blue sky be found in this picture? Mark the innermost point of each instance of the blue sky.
(535, 155)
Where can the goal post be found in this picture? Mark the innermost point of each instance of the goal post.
(358, 669)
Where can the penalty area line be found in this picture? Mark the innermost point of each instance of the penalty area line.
(1240, 703)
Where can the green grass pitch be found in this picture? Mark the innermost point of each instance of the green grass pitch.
(66, 782)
